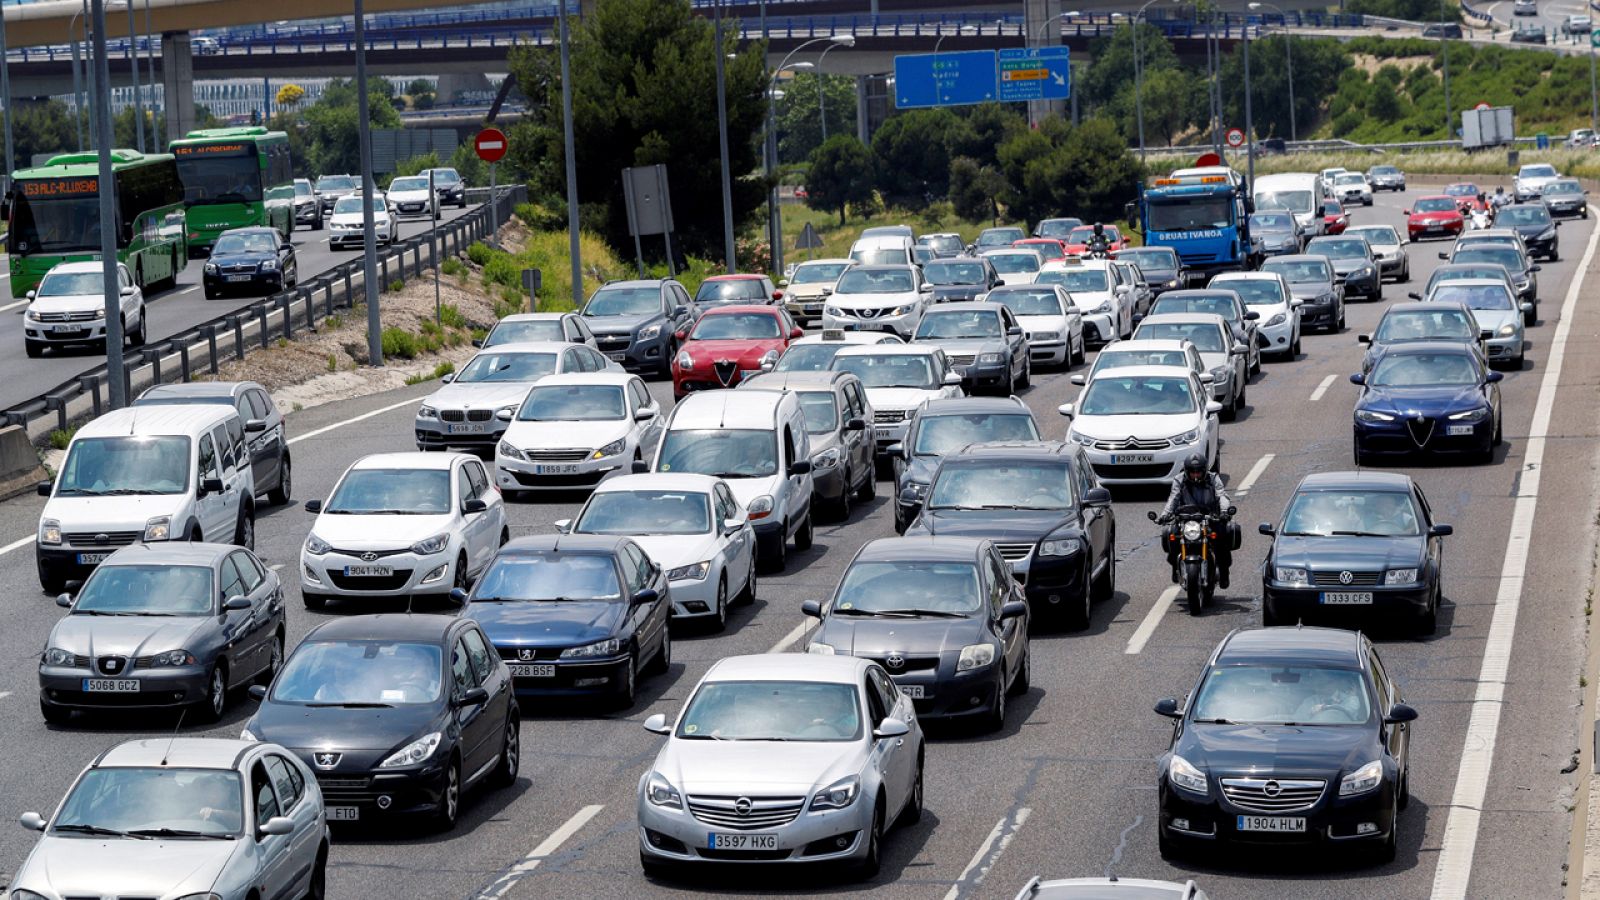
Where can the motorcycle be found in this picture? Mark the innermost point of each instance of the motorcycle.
(1099, 249)
(1480, 219)
(1193, 531)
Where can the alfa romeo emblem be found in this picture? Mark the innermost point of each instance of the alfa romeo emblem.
(895, 661)
(742, 806)
(1346, 578)
(1272, 789)
(368, 556)
(326, 760)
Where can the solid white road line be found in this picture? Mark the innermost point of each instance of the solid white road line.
(545, 849)
(1141, 635)
(1453, 869)
(1322, 388)
(1252, 476)
(351, 421)
(988, 852)
(795, 635)
(4, 694)
(13, 305)
(17, 544)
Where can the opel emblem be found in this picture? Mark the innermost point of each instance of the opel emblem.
(1346, 578)
(368, 556)
(326, 760)
(895, 661)
(742, 806)
(1272, 789)
(525, 653)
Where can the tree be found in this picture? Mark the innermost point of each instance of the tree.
(1319, 63)
(982, 130)
(799, 119)
(1089, 172)
(975, 189)
(290, 96)
(913, 161)
(39, 129)
(332, 139)
(419, 86)
(840, 176)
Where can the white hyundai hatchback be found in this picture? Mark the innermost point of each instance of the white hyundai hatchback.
(575, 429)
(1138, 424)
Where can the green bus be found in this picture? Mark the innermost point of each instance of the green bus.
(53, 213)
(232, 178)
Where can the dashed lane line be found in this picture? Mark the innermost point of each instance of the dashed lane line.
(1322, 388)
(539, 854)
(988, 853)
(787, 640)
(1142, 634)
(1254, 475)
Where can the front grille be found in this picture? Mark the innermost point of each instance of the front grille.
(376, 554)
(111, 665)
(538, 654)
(345, 790)
(92, 538)
(1014, 552)
(1133, 443)
(63, 316)
(452, 415)
(961, 359)
(1421, 430)
(612, 342)
(1145, 470)
(479, 415)
(889, 416)
(1269, 795)
(392, 582)
(908, 664)
(556, 456)
(763, 812)
(1335, 579)
(860, 313)
(707, 853)
(1486, 335)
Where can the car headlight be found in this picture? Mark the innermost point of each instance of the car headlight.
(685, 361)
(1471, 415)
(173, 658)
(768, 359)
(1045, 336)
(1188, 437)
(100, 312)
(1080, 438)
(210, 268)
(991, 359)
(611, 449)
(760, 507)
(32, 314)
(1372, 416)
(429, 546)
(827, 459)
(415, 752)
(1180, 773)
(660, 792)
(1103, 309)
(1507, 330)
(1221, 374)
(1549, 234)
(55, 656)
(1278, 319)
(914, 491)
(649, 332)
(316, 546)
(975, 656)
(1400, 576)
(820, 649)
(834, 311)
(49, 531)
(24, 894)
(1059, 546)
(269, 265)
(1324, 298)
(1363, 779)
(692, 572)
(608, 647)
(246, 734)
(838, 795)
(1289, 575)
(427, 412)
(158, 529)
(506, 450)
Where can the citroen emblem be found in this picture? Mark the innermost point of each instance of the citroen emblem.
(525, 653)
(742, 806)
(895, 661)
(1272, 789)
(1346, 578)
(326, 760)
(368, 556)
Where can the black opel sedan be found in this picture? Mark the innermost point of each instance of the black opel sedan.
(397, 714)
(1045, 511)
(1355, 546)
(255, 260)
(1293, 736)
(942, 615)
(945, 426)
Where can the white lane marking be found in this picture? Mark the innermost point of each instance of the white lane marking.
(17, 544)
(1254, 474)
(1453, 869)
(4, 694)
(545, 849)
(988, 852)
(790, 638)
(1141, 635)
(275, 566)
(13, 305)
(351, 421)
(1322, 388)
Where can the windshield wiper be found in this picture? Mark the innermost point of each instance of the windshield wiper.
(1217, 720)
(90, 492)
(935, 613)
(1361, 534)
(97, 830)
(852, 611)
(124, 492)
(352, 705)
(180, 832)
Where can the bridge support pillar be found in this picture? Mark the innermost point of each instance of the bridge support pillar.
(1042, 18)
(177, 83)
(863, 133)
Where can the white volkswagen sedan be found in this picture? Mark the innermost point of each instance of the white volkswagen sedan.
(575, 429)
(689, 525)
(69, 307)
(402, 525)
(463, 412)
(1139, 424)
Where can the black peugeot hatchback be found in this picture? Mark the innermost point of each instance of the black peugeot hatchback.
(397, 714)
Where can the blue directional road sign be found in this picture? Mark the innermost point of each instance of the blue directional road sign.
(945, 79)
(1035, 73)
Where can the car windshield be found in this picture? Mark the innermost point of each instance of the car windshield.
(1057, 227)
(879, 281)
(1154, 259)
(1293, 201)
(1523, 215)
(1029, 301)
(645, 512)
(644, 301)
(958, 324)
(486, 367)
(772, 711)
(71, 284)
(723, 452)
(753, 326)
(889, 370)
(558, 578)
(192, 804)
(1376, 234)
(1510, 257)
(821, 411)
(1537, 171)
(944, 243)
(949, 588)
(1141, 395)
(808, 357)
(1418, 325)
(1424, 370)
(574, 403)
(1350, 178)
(882, 256)
(125, 465)
(1271, 222)
(1563, 187)
(1001, 485)
(1215, 304)
(938, 435)
(360, 673)
(255, 242)
(1015, 263)
(1339, 248)
(352, 204)
(737, 290)
(1436, 204)
(999, 237)
(1352, 512)
(818, 273)
(1385, 170)
(1445, 274)
(1475, 296)
(413, 183)
(1111, 358)
(392, 492)
(1280, 695)
(1254, 291)
(445, 176)
(1076, 279)
(955, 273)
(302, 188)
(1301, 271)
(337, 183)
(144, 590)
(1462, 190)
(1204, 335)
(527, 330)
(1188, 213)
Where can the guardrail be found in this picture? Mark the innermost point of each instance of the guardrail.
(1341, 144)
(199, 350)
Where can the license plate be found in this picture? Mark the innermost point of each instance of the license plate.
(1435, 228)
(1291, 824)
(717, 841)
(368, 571)
(1458, 429)
(812, 308)
(914, 691)
(111, 686)
(1347, 598)
(883, 432)
(542, 670)
(239, 277)
(92, 559)
(556, 470)
(1127, 459)
(344, 814)
(67, 329)
(617, 356)
(468, 428)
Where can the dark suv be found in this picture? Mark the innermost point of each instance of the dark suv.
(331, 187)
(636, 322)
(253, 260)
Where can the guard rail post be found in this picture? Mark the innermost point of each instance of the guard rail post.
(90, 383)
(183, 360)
(152, 358)
(261, 317)
(311, 307)
(284, 300)
(58, 403)
(237, 323)
(211, 345)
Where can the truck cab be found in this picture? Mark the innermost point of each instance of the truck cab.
(1202, 215)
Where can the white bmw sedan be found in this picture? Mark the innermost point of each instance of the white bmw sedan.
(575, 429)
(1138, 424)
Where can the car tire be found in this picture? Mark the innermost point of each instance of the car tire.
(137, 338)
(869, 485)
(314, 602)
(505, 771)
(994, 719)
(774, 552)
(628, 692)
(867, 867)
(1529, 319)
(281, 494)
(318, 888)
(803, 536)
(449, 810)
(1167, 847)
(244, 533)
(663, 658)
(1079, 357)
(1403, 792)
(1106, 585)
(839, 510)
(1269, 618)
(654, 868)
(275, 662)
(35, 349)
(210, 294)
(1428, 621)
(1023, 680)
(1384, 853)
(719, 615)
(1231, 411)
(54, 715)
(209, 708)
(50, 582)
(1361, 459)
(1027, 374)
(1294, 348)
(912, 813)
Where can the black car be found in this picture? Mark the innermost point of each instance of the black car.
(1159, 267)
(1525, 34)
(574, 615)
(1355, 545)
(255, 260)
(945, 426)
(1353, 263)
(1045, 511)
(265, 433)
(397, 714)
(983, 341)
(942, 615)
(1449, 30)
(307, 205)
(449, 185)
(1293, 737)
(1408, 323)
(959, 278)
(1536, 226)
(330, 188)
(635, 322)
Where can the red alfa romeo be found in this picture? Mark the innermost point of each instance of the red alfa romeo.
(729, 343)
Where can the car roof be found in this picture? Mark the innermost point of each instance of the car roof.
(1196, 293)
(1417, 348)
(1131, 888)
(1135, 345)
(1073, 264)
(1418, 305)
(252, 229)
(1186, 318)
(1291, 645)
(850, 338)
(1015, 450)
(176, 753)
(824, 379)
(657, 481)
(616, 379)
(889, 349)
(966, 406)
(527, 347)
(408, 459)
(884, 267)
(157, 419)
(590, 544)
(788, 667)
(737, 276)
(1437, 197)
(926, 548)
(1225, 277)
(227, 389)
(535, 317)
(76, 267)
(1298, 258)
(741, 308)
(711, 409)
(1477, 282)
(1144, 371)
(169, 553)
(384, 627)
(1364, 479)
(633, 283)
(832, 260)
(965, 306)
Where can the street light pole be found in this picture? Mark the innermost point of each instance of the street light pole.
(109, 282)
(369, 240)
(1249, 121)
(822, 91)
(5, 101)
(1444, 51)
(569, 150)
(774, 215)
(1594, 98)
(1138, 72)
(1288, 59)
(150, 79)
(77, 79)
(138, 94)
(729, 262)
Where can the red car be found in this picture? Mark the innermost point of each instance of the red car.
(1052, 248)
(722, 290)
(1334, 219)
(729, 343)
(1435, 216)
(1467, 195)
(1077, 240)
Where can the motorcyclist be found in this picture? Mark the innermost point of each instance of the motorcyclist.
(1500, 199)
(1198, 486)
(1099, 245)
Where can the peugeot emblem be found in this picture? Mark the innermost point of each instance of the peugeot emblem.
(895, 661)
(326, 760)
(1346, 578)
(368, 556)
(525, 653)
(1272, 789)
(742, 806)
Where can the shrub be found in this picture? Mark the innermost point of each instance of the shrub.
(60, 439)
(452, 266)
(452, 317)
(478, 252)
(396, 286)
(399, 343)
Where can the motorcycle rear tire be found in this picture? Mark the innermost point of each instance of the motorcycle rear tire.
(1192, 588)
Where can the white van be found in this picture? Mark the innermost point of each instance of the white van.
(1300, 193)
(882, 250)
(145, 474)
(757, 442)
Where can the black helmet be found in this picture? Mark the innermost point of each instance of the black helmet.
(1195, 466)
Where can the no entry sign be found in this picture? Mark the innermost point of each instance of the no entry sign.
(490, 144)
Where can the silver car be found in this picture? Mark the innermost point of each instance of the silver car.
(184, 817)
(1389, 248)
(1497, 312)
(461, 413)
(782, 758)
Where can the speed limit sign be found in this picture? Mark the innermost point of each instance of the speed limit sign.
(1235, 137)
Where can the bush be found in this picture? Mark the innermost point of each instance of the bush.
(452, 266)
(396, 286)
(478, 252)
(452, 317)
(60, 439)
(399, 343)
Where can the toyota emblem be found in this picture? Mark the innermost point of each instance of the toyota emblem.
(895, 661)
(525, 653)
(742, 806)
(1272, 789)
(368, 556)
(1346, 578)
(326, 760)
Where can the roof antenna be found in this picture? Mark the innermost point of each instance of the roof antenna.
(170, 741)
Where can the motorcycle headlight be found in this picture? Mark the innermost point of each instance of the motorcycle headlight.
(820, 649)
(760, 507)
(660, 792)
(1373, 416)
(1362, 780)
(827, 459)
(173, 658)
(510, 452)
(1290, 575)
(975, 656)
(685, 361)
(210, 268)
(427, 412)
(1180, 773)
(1400, 576)
(55, 656)
(158, 529)
(413, 753)
(991, 359)
(1059, 546)
(1278, 319)
(269, 265)
(650, 332)
(612, 449)
(49, 531)
(608, 647)
(429, 546)
(1192, 530)
(692, 572)
(838, 795)
(316, 546)
(1471, 415)
(1507, 330)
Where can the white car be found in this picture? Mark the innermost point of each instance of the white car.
(69, 307)
(890, 298)
(691, 526)
(814, 352)
(518, 328)
(1099, 290)
(1268, 295)
(1052, 322)
(1224, 357)
(1138, 424)
(410, 197)
(1016, 265)
(1389, 248)
(809, 286)
(345, 224)
(1146, 352)
(1352, 187)
(1531, 179)
(464, 412)
(1328, 175)
(402, 525)
(575, 429)
(898, 379)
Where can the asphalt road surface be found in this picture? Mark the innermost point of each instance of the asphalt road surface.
(1068, 788)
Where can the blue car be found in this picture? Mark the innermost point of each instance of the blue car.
(1428, 397)
(574, 615)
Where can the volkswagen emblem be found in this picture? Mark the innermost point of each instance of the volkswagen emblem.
(1346, 578)
(742, 806)
(1272, 789)
(525, 653)
(326, 760)
(368, 556)
(895, 661)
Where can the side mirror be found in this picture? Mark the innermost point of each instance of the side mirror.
(211, 486)
(856, 424)
(1363, 338)
(891, 728)
(681, 334)
(1405, 212)
(925, 288)
(1077, 379)
(128, 291)
(896, 450)
(458, 596)
(1493, 376)
(657, 724)
(236, 603)
(447, 378)
(648, 595)
(1358, 378)
(1013, 609)
(796, 332)
(639, 467)
(258, 692)
(1238, 351)
(477, 342)
(679, 312)
(1399, 713)
(729, 526)
(31, 295)
(64, 601)
(563, 525)
(473, 506)
(1441, 531)
(255, 426)
(278, 826)
(1536, 268)
(952, 378)
(1168, 707)
(1152, 515)
(1444, 256)
(800, 467)
(1097, 496)
(1527, 308)
(1251, 316)
(783, 282)
(1213, 408)
(811, 608)
(472, 697)
(44, 488)
(1267, 529)
(31, 821)
(1207, 378)
(504, 415)
(313, 506)
(644, 414)
(1014, 330)
(1067, 409)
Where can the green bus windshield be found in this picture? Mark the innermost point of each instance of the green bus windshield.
(224, 172)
